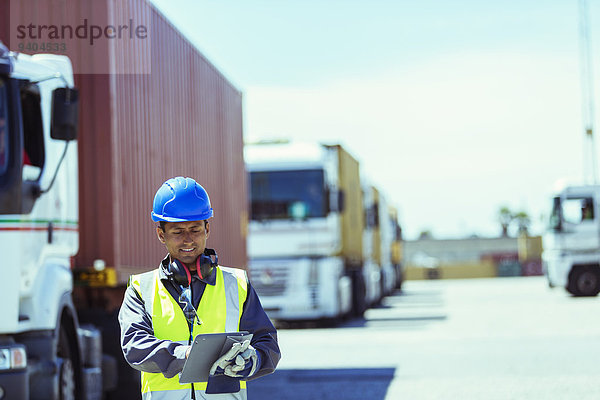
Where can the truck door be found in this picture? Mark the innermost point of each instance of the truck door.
(10, 147)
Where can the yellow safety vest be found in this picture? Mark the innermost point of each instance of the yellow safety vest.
(220, 310)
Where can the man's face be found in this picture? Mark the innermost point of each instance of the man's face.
(185, 241)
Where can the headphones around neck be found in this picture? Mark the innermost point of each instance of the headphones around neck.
(182, 276)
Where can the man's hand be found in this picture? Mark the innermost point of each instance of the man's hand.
(228, 357)
(246, 364)
(240, 361)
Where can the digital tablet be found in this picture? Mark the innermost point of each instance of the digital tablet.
(207, 349)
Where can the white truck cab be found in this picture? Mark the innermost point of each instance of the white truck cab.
(44, 353)
(571, 255)
(297, 239)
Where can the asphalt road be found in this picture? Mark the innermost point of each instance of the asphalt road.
(499, 338)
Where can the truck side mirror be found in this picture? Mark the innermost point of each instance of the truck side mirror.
(65, 113)
(336, 200)
(398, 232)
(341, 201)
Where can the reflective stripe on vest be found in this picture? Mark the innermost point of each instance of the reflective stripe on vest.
(200, 395)
(220, 310)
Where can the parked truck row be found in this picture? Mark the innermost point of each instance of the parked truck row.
(323, 242)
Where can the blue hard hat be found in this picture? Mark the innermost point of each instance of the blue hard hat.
(181, 199)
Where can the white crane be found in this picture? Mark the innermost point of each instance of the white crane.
(587, 95)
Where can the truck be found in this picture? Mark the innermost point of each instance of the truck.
(371, 244)
(571, 245)
(386, 228)
(305, 237)
(397, 246)
(81, 156)
(44, 353)
(382, 241)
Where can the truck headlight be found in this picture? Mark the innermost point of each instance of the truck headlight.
(13, 358)
(4, 359)
(18, 358)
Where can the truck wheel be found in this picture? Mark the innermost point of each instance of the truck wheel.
(66, 378)
(359, 304)
(584, 281)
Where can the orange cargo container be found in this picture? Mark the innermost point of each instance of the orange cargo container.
(138, 129)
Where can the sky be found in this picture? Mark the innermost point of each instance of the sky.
(454, 109)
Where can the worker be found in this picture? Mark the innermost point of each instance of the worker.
(190, 294)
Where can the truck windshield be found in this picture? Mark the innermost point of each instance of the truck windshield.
(295, 194)
(3, 127)
(571, 210)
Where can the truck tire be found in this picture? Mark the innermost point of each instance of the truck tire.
(584, 281)
(67, 376)
(359, 290)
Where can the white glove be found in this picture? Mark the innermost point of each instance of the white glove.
(242, 363)
(237, 359)
(226, 358)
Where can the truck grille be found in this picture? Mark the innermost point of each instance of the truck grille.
(268, 280)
